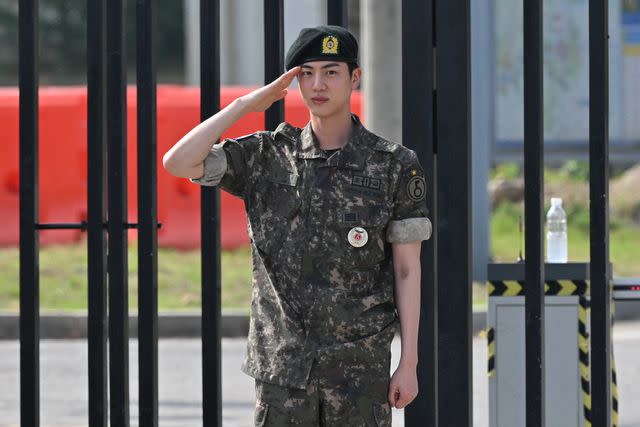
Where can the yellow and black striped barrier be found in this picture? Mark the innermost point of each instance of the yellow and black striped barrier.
(491, 352)
(614, 376)
(580, 288)
(515, 288)
(583, 356)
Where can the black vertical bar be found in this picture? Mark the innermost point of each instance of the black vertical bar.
(117, 197)
(599, 212)
(337, 12)
(29, 242)
(96, 212)
(273, 56)
(418, 102)
(210, 222)
(533, 205)
(147, 214)
(453, 84)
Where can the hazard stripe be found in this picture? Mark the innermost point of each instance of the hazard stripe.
(583, 358)
(510, 288)
(506, 288)
(491, 353)
(583, 355)
(614, 377)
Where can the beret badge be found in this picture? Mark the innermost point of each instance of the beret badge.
(330, 45)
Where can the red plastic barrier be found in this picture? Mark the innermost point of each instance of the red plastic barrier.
(63, 169)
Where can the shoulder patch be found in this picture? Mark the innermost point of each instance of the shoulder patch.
(416, 187)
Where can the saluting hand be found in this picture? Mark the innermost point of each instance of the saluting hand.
(261, 99)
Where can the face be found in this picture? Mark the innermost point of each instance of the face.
(326, 86)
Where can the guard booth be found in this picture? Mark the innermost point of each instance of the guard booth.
(566, 346)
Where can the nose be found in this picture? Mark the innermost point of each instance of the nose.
(318, 83)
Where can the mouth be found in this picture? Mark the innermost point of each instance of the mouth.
(319, 100)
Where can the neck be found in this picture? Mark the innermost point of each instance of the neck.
(332, 132)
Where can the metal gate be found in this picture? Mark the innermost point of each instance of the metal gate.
(436, 124)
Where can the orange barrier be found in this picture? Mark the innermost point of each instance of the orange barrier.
(63, 168)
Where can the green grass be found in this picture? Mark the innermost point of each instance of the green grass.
(63, 278)
(63, 271)
(624, 238)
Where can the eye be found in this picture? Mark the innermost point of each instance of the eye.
(332, 72)
(305, 73)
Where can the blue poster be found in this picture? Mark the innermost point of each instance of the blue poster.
(631, 27)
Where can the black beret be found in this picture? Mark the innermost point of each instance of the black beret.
(323, 43)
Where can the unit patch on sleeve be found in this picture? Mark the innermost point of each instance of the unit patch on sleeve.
(416, 188)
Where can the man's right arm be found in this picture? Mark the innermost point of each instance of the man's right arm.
(186, 158)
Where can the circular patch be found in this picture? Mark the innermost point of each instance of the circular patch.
(358, 237)
(416, 188)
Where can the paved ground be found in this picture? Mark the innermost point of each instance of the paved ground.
(64, 387)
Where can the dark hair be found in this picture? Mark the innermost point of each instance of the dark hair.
(352, 66)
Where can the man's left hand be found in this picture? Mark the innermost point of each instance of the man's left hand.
(403, 387)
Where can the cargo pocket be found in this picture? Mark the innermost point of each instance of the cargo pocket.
(260, 416)
(276, 204)
(373, 220)
(382, 414)
(361, 281)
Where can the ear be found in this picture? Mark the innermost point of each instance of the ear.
(355, 78)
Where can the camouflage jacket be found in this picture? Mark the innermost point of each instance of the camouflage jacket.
(321, 228)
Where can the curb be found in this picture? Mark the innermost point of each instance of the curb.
(234, 323)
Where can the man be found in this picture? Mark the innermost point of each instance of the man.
(336, 217)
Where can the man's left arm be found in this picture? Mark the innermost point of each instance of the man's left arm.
(408, 227)
(403, 387)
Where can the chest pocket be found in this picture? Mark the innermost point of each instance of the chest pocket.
(276, 205)
(353, 219)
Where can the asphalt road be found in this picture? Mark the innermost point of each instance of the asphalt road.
(64, 382)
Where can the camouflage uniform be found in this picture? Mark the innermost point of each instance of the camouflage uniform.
(322, 314)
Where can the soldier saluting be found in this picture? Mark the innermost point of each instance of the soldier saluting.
(336, 216)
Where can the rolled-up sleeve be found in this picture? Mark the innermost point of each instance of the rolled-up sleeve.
(227, 163)
(214, 165)
(409, 221)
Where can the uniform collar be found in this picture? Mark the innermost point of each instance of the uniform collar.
(350, 156)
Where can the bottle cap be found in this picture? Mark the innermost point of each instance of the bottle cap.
(556, 201)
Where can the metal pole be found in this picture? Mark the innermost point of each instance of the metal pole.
(418, 102)
(273, 56)
(117, 197)
(534, 249)
(147, 214)
(29, 259)
(337, 12)
(599, 213)
(453, 154)
(483, 128)
(210, 222)
(381, 38)
(96, 212)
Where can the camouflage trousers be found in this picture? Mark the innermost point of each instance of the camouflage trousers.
(339, 394)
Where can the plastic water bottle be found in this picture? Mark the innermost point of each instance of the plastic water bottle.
(556, 232)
